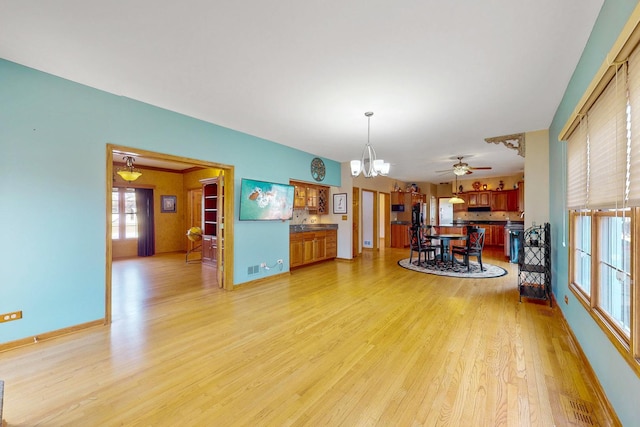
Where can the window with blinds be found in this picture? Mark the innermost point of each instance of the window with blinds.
(603, 199)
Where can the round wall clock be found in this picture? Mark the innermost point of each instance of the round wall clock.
(317, 169)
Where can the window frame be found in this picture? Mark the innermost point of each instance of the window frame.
(122, 220)
(628, 346)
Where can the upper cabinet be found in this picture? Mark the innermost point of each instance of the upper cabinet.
(499, 201)
(505, 200)
(461, 207)
(479, 199)
(312, 197)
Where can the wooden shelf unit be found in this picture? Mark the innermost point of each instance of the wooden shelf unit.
(212, 203)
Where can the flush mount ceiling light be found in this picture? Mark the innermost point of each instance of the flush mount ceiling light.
(369, 165)
(128, 173)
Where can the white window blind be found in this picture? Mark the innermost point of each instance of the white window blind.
(634, 99)
(608, 145)
(577, 167)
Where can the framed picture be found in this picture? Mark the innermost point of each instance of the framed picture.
(340, 203)
(168, 204)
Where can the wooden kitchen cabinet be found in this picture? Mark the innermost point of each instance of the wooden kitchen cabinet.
(484, 198)
(417, 198)
(494, 234)
(296, 250)
(499, 201)
(498, 235)
(332, 244)
(311, 247)
(399, 235)
(397, 198)
(314, 198)
(512, 200)
(479, 199)
(461, 207)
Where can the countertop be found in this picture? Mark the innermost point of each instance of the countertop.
(301, 228)
(485, 222)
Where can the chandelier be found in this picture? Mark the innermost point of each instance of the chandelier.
(128, 173)
(369, 165)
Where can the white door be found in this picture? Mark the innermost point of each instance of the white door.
(445, 216)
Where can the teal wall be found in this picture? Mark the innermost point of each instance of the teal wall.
(53, 136)
(620, 382)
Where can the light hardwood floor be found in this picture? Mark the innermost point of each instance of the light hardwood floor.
(335, 344)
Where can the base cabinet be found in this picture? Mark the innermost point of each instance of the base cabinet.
(312, 246)
(332, 244)
(399, 236)
(209, 249)
(296, 250)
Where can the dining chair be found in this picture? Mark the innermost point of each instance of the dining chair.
(473, 247)
(421, 244)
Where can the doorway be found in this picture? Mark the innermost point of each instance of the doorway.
(355, 232)
(225, 273)
(445, 211)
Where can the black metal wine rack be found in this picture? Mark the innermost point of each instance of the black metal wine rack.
(534, 263)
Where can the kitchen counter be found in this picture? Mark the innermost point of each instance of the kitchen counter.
(302, 228)
(485, 222)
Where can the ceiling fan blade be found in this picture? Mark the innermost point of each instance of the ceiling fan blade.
(481, 168)
(444, 171)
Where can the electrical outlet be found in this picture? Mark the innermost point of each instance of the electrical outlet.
(8, 317)
(263, 264)
(280, 261)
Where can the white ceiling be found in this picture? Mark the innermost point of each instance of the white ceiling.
(440, 76)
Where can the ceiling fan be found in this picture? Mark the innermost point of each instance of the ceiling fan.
(462, 168)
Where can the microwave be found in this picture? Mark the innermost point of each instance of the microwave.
(397, 208)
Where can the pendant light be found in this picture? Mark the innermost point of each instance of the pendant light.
(369, 165)
(455, 200)
(128, 173)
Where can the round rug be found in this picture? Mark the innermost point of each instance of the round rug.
(458, 270)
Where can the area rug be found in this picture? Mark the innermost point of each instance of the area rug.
(458, 270)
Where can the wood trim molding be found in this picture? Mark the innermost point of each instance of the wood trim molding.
(600, 394)
(49, 335)
(619, 53)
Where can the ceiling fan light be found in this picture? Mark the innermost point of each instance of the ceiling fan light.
(459, 171)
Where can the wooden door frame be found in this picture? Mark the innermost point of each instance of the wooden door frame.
(355, 223)
(228, 171)
(386, 209)
(375, 219)
(190, 210)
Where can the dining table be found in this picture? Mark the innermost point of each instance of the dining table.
(445, 243)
